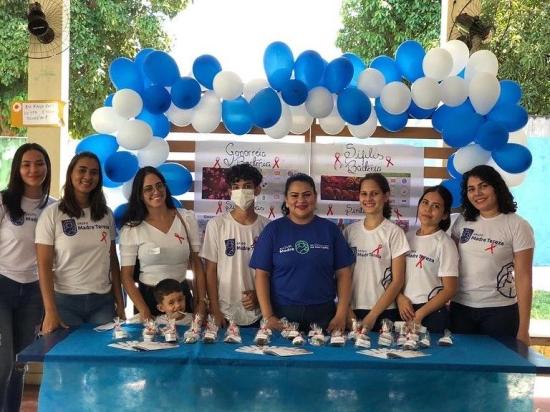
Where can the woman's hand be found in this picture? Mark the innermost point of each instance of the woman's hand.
(406, 310)
(274, 323)
(369, 321)
(51, 322)
(249, 300)
(219, 318)
(338, 322)
(145, 314)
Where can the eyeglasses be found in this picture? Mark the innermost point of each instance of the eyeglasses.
(159, 187)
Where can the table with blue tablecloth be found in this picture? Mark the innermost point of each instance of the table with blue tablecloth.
(81, 372)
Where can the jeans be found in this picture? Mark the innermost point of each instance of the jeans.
(21, 313)
(305, 315)
(88, 308)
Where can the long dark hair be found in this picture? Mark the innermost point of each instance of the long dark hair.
(298, 177)
(137, 211)
(447, 197)
(68, 203)
(12, 195)
(505, 199)
(384, 186)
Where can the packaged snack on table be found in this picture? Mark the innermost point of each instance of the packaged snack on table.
(424, 341)
(337, 338)
(233, 334)
(193, 334)
(211, 331)
(298, 340)
(149, 330)
(356, 327)
(316, 336)
(386, 337)
(118, 332)
(169, 331)
(447, 339)
(362, 339)
(263, 335)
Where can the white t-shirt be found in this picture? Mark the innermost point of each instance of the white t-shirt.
(430, 258)
(17, 251)
(230, 244)
(161, 255)
(374, 251)
(82, 261)
(486, 248)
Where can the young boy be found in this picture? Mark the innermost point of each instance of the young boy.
(228, 244)
(170, 299)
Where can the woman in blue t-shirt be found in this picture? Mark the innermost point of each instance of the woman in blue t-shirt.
(302, 263)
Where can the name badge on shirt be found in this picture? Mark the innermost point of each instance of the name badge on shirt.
(154, 251)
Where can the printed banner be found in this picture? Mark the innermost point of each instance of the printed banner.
(338, 168)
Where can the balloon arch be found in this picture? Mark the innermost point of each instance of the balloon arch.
(475, 113)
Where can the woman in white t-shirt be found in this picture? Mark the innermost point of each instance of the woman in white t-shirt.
(380, 247)
(165, 240)
(21, 308)
(496, 258)
(75, 246)
(431, 265)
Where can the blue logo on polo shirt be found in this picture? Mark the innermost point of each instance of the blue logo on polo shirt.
(302, 247)
(69, 227)
(230, 247)
(19, 221)
(466, 235)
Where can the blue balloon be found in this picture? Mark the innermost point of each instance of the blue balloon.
(121, 166)
(102, 145)
(416, 112)
(139, 60)
(176, 203)
(353, 105)
(461, 128)
(266, 108)
(512, 116)
(278, 64)
(119, 213)
(309, 68)
(358, 67)
(444, 114)
(237, 116)
(159, 123)
(108, 182)
(338, 74)
(205, 68)
(510, 92)
(108, 102)
(178, 178)
(161, 68)
(390, 122)
(409, 57)
(156, 99)
(388, 67)
(491, 135)
(454, 186)
(125, 74)
(451, 168)
(513, 158)
(294, 92)
(462, 73)
(186, 93)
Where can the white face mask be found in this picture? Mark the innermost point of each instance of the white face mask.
(242, 198)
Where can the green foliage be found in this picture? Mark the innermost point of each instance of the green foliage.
(521, 43)
(375, 27)
(101, 30)
(541, 305)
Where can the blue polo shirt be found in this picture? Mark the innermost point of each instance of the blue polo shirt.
(302, 260)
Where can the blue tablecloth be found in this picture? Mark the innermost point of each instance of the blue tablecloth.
(477, 373)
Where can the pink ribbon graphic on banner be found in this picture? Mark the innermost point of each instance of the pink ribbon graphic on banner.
(337, 160)
(217, 163)
(219, 207)
(389, 162)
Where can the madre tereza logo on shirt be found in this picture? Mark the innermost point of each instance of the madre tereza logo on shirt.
(231, 246)
(302, 247)
(468, 234)
(71, 228)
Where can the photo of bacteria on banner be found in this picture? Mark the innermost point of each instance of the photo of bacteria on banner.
(344, 188)
(214, 185)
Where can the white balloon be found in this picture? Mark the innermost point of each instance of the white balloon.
(426, 93)
(127, 188)
(134, 134)
(481, 61)
(179, 117)
(155, 153)
(319, 102)
(106, 120)
(468, 157)
(483, 90)
(283, 125)
(395, 97)
(460, 53)
(454, 91)
(207, 113)
(301, 119)
(371, 82)
(519, 136)
(228, 85)
(333, 123)
(437, 63)
(254, 86)
(366, 129)
(511, 179)
(127, 103)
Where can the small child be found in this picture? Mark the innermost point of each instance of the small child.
(170, 298)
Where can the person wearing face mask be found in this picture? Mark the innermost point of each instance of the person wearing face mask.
(228, 244)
